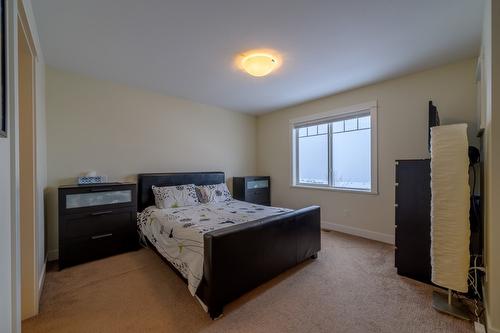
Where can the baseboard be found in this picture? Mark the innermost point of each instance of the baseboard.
(492, 330)
(489, 328)
(41, 279)
(52, 255)
(378, 236)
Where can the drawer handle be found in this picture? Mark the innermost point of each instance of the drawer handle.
(102, 189)
(102, 236)
(102, 213)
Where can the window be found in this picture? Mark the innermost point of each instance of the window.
(336, 150)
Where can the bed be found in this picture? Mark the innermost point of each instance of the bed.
(239, 256)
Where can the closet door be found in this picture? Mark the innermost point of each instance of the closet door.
(413, 219)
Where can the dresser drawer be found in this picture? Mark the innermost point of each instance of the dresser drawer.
(98, 222)
(259, 196)
(76, 200)
(257, 184)
(258, 192)
(84, 249)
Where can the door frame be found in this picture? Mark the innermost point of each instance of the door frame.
(28, 249)
(15, 10)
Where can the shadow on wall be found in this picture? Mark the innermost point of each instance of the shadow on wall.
(51, 219)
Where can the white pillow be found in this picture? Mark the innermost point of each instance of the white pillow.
(175, 196)
(214, 193)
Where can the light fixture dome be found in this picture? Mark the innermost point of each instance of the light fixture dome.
(259, 64)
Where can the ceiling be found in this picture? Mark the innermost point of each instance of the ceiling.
(186, 48)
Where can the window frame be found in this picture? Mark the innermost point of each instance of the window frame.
(369, 108)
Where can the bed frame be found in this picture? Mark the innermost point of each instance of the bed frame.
(241, 257)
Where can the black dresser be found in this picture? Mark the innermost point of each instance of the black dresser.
(254, 189)
(413, 219)
(96, 221)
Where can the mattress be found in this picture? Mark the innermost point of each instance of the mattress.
(177, 233)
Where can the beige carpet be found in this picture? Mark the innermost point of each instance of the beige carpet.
(351, 287)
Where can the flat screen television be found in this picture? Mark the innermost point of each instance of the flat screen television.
(433, 119)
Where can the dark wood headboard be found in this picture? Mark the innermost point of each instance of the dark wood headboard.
(145, 196)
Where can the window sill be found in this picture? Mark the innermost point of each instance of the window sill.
(333, 189)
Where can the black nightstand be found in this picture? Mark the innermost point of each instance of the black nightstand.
(254, 189)
(96, 221)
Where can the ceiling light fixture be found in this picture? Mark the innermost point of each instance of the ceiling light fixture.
(259, 63)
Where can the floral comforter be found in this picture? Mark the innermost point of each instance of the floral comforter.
(177, 233)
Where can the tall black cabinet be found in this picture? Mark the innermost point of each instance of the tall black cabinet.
(413, 219)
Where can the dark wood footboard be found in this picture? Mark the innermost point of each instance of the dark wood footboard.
(241, 257)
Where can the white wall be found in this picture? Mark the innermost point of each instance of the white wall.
(5, 237)
(9, 266)
(491, 77)
(402, 134)
(120, 131)
(6, 225)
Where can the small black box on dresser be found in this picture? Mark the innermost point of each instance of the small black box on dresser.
(254, 189)
(96, 221)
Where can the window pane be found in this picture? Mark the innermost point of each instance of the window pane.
(323, 129)
(364, 122)
(312, 130)
(338, 126)
(313, 159)
(302, 131)
(352, 159)
(351, 124)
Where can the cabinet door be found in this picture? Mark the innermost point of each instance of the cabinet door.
(413, 219)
